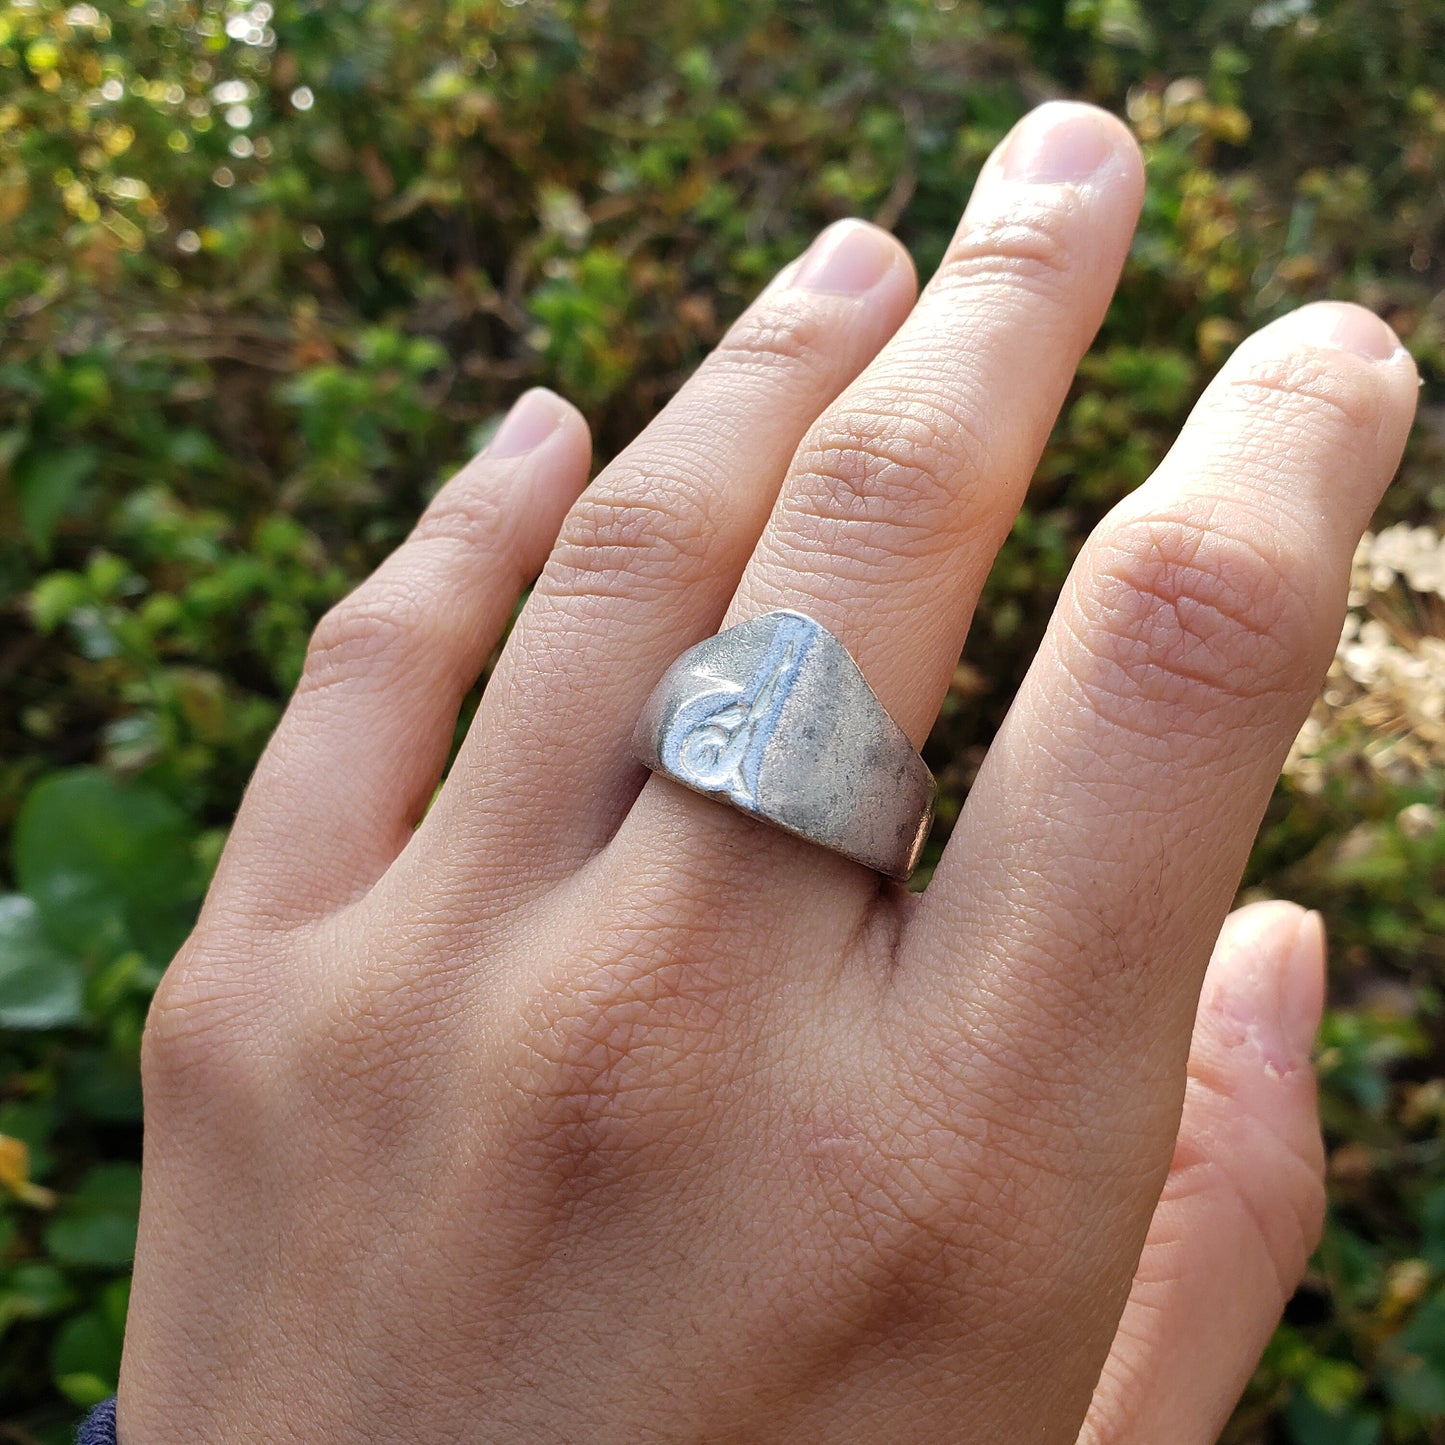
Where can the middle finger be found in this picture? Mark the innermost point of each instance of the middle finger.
(905, 487)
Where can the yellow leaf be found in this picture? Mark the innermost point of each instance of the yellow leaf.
(42, 55)
(15, 1174)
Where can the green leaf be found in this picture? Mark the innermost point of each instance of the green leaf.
(13, 441)
(82, 1390)
(99, 1084)
(32, 1291)
(1432, 1222)
(47, 483)
(33, 1122)
(55, 596)
(40, 986)
(108, 864)
(96, 1224)
(1115, 22)
(1312, 1424)
(1415, 1360)
(86, 1355)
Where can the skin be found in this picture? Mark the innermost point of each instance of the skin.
(580, 1107)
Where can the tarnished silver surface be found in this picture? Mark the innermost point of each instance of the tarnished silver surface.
(774, 717)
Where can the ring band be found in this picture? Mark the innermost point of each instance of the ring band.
(774, 717)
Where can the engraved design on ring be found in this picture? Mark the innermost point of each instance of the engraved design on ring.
(774, 717)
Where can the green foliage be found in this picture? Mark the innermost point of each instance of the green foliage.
(272, 270)
(40, 985)
(104, 863)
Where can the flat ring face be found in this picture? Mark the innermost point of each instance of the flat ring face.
(774, 717)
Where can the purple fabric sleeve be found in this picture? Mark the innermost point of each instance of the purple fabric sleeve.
(99, 1426)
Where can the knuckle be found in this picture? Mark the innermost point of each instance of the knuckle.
(1182, 609)
(782, 330)
(628, 535)
(1032, 248)
(468, 519)
(905, 479)
(609, 1065)
(1269, 1172)
(197, 1032)
(389, 618)
(1307, 392)
(1265, 1152)
(407, 608)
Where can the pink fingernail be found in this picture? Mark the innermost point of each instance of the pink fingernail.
(848, 259)
(1269, 981)
(1059, 142)
(534, 416)
(1351, 328)
(1300, 988)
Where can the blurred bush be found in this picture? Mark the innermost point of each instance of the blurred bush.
(271, 270)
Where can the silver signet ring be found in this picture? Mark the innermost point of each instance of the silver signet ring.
(774, 717)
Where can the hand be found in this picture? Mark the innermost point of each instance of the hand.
(585, 1108)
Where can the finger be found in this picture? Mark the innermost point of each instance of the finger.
(1244, 1201)
(1106, 833)
(645, 564)
(1124, 789)
(364, 741)
(904, 489)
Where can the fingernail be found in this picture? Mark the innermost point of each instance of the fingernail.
(848, 259)
(1058, 142)
(534, 416)
(1350, 328)
(1300, 988)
